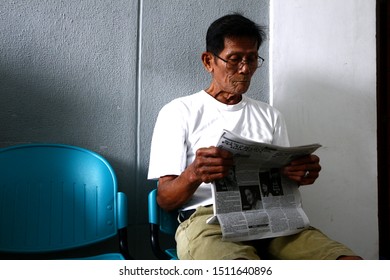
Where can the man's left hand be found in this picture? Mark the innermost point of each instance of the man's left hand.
(303, 170)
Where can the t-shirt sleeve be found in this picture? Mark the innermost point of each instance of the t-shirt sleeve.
(280, 137)
(168, 147)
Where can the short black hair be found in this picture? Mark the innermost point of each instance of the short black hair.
(230, 26)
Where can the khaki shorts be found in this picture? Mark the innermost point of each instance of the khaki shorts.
(197, 240)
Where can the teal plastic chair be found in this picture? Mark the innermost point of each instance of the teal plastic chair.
(161, 222)
(54, 198)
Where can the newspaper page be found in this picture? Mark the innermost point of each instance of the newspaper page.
(254, 201)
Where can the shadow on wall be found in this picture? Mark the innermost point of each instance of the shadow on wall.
(52, 103)
(39, 105)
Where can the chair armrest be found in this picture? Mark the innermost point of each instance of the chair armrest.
(122, 210)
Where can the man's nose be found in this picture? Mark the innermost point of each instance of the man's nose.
(244, 68)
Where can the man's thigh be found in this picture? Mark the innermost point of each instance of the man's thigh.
(310, 244)
(197, 240)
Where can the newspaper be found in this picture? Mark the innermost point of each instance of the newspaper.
(254, 201)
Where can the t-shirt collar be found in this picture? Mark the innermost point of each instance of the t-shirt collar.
(223, 106)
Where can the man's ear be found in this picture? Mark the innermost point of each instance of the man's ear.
(207, 59)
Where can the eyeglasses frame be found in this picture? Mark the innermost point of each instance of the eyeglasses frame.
(242, 62)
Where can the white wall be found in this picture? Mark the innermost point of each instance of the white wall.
(324, 81)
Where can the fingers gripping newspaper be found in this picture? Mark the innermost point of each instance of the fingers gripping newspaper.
(255, 201)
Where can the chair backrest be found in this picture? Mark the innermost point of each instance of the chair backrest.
(161, 221)
(55, 197)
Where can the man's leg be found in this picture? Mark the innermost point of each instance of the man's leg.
(197, 240)
(310, 244)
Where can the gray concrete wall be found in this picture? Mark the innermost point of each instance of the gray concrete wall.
(95, 73)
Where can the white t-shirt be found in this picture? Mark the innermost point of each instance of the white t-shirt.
(196, 121)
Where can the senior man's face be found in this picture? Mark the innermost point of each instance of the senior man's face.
(235, 80)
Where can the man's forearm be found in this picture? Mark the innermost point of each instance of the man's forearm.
(174, 191)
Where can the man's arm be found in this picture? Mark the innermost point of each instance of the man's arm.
(210, 164)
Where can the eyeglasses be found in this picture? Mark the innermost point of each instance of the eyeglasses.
(237, 63)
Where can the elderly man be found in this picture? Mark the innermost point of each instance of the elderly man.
(185, 161)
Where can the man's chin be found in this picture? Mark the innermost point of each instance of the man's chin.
(242, 87)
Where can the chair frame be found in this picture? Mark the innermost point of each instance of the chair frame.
(161, 221)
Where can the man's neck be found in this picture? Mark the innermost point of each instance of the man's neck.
(225, 97)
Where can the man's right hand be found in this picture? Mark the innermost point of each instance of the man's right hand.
(210, 164)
